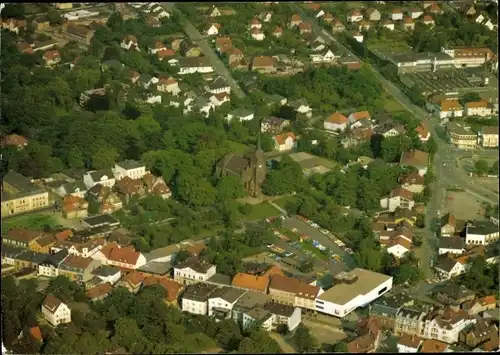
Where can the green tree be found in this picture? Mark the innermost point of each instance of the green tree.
(303, 339)
(340, 347)
(192, 189)
(229, 187)
(54, 17)
(481, 167)
(369, 256)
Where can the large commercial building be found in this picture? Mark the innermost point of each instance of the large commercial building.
(19, 195)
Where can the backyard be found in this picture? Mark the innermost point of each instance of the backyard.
(30, 221)
(261, 211)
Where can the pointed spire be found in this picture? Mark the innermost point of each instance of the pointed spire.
(259, 148)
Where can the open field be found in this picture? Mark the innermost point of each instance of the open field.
(391, 105)
(462, 205)
(284, 200)
(239, 148)
(30, 221)
(261, 211)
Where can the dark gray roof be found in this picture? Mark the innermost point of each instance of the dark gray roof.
(10, 251)
(130, 164)
(229, 294)
(155, 267)
(411, 313)
(297, 103)
(445, 263)
(34, 257)
(105, 271)
(145, 78)
(365, 123)
(482, 228)
(72, 187)
(23, 186)
(201, 101)
(199, 292)
(259, 314)
(279, 309)
(451, 243)
(218, 83)
(100, 220)
(194, 62)
(455, 290)
(386, 126)
(56, 258)
(220, 279)
(195, 265)
(234, 163)
(98, 174)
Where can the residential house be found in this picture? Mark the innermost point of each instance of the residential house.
(337, 26)
(434, 9)
(446, 324)
(51, 57)
(266, 16)
(480, 305)
(362, 123)
(357, 136)
(451, 245)
(461, 136)
(76, 188)
(368, 339)
(301, 107)
(354, 16)
(219, 85)
(55, 311)
(28, 260)
(412, 182)
(122, 257)
(408, 24)
(409, 320)
(195, 298)
(173, 289)
(165, 54)
(363, 25)
(478, 108)
(351, 290)
(263, 64)
(128, 187)
(488, 137)
(74, 207)
(328, 18)
(385, 309)
(191, 65)
(14, 140)
(99, 292)
(156, 185)
(447, 267)
(336, 122)
(423, 131)
(305, 27)
(193, 271)
(409, 344)
(241, 115)
(169, 85)
(449, 225)
(146, 80)
(79, 33)
(14, 25)
(222, 301)
(24, 47)
(478, 333)
(295, 21)
(254, 23)
(285, 141)
(218, 100)
(397, 246)
(212, 29)
(325, 56)
(189, 50)
(454, 294)
(129, 42)
(415, 13)
(388, 128)
(223, 44)
(129, 168)
(386, 23)
(284, 314)
(257, 316)
(433, 346)
(50, 266)
(36, 333)
(255, 282)
(396, 14)
(293, 292)
(273, 125)
(372, 14)
(156, 47)
(257, 34)
(481, 233)
(399, 197)
(428, 20)
(277, 32)
(108, 274)
(213, 12)
(358, 37)
(103, 177)
(356, 116)
(417, 159)
(21, 238)
(132, 281)
(78, 268)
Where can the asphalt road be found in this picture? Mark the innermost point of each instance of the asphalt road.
(207, 49)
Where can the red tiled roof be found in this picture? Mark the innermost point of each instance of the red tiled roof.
(36, 333)
(165, 53)
(281, 138)
(14, 140)
(127, 255)
(402, 192)
(360, 115)
(422, 129)
(433, 346)
(262, 62)
(337, 117)
(130, 38)
(63, 235)
(99, 290)
(173, 288)
(52, 55)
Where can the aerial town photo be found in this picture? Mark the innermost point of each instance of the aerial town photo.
(249, 177)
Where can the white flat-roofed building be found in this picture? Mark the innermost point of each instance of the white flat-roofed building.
(221, 302)
(481, 233)
(351, 290)
(195, 298)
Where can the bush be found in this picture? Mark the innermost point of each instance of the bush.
(245, 209)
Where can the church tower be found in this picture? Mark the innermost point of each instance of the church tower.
(259, 170)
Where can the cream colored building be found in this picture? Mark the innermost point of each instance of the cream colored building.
(19, 195)
(488, 137)
(461, 136)
(478, 108)
(55, 311)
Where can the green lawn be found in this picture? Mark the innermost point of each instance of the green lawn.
(261, 211)
(239, 148)
(392, 105)
(284, 200)
(30, 221)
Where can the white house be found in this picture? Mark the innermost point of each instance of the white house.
(398, 246)
(353, 289)
(445, 325)
(254, 23)
(195, 298)
(388, 24)
(50, 267)
(191, 65)
(446, 267)
(399, 197)
(285, 141)
(266, 16)
(130, 168)
(335, 122)
(109, 274)
(284, 314)
(222, 301)
(242, 115)
(320, 13)
(323, 57)
(104, 177)
(301, 107)
(415, 13)
(193, 271)
(84, 250)
(219, 99)
(130, 42)
(212, 29)
(451, 245)
(409, 343)
(481, 233)
(146, 80)
(354, 16)
(169, 85)
(153, 99)
(259, 316)
(257, 34)
(396, 14)
(358, 37)
(159, 12)
(126, 257)
(449, 109)
(218, 86)
(55, 311)
(479, 108)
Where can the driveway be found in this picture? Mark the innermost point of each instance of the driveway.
(200, 40)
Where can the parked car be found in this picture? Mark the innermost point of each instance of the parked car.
(324, 231)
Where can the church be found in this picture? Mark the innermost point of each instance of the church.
(250, 169)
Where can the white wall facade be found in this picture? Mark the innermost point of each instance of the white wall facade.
(192, 70)
(188, 273)
(62, 315)
(194, 307)
(334, 126)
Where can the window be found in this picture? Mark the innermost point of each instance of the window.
(382, 290)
